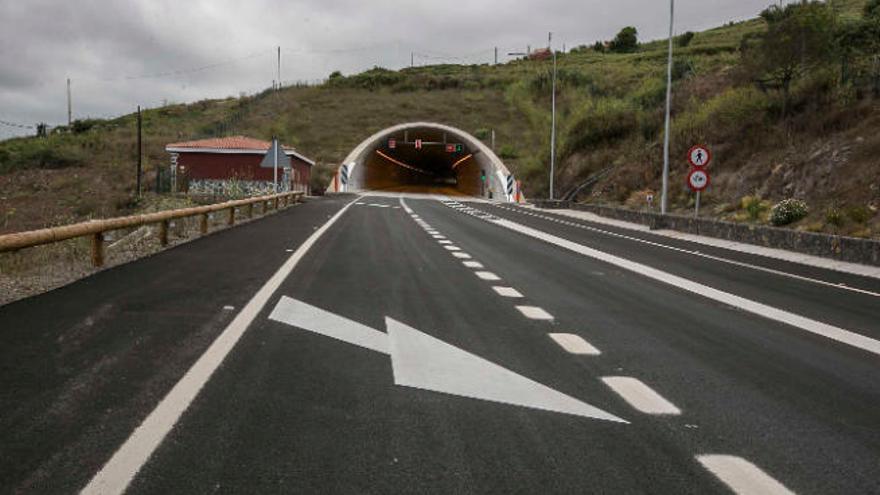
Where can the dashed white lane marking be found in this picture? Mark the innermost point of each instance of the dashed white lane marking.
(444, 242)
(640, 396)
(461, 255)
(534, 312)
(228, 308)
(473, 264)
(453, 248)
(116, 475)
(574, 344)
(487, 276)
(507, 291)
(743, 477)
(816, 327)
(438, 236)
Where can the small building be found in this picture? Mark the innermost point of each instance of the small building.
(235, 166)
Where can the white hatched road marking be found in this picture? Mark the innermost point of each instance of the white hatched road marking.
(640, 396)
(487, 276)
(462, 255)
(473, 264)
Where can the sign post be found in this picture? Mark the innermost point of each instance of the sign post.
(698, 179)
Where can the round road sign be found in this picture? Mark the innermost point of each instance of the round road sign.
(699, 156)
(698, 180)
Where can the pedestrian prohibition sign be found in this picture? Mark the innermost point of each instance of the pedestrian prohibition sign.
(699, 156)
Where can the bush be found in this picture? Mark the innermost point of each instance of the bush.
(788, 211)
(685, 39)
(859, 214)
(626, 41)
(482, 134)
(602, 122)
(754, 206)
(833, 216)
(508, 152)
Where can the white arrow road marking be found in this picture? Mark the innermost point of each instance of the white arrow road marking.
(421, 361)
(308, 317)
(742, 476)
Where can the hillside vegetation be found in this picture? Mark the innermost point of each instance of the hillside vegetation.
(789, 102)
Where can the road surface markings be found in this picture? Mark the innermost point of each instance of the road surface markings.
(322, 322)
(487, 276)
(438, 236)
(574, 344)
(444, 242)
(452, 248)
(743, 477)
(534, 313)
(228, 308)
(507, 291)
(640, 396)
(812, 326)
(473, 264)
(713, 258)
(424, 362)
(118, 472)
(462, 255)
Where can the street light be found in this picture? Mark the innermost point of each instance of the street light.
(664, 194)
(553, 128)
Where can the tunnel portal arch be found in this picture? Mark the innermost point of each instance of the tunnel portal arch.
(426, 157)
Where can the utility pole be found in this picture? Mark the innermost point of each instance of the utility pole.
(412, 59)
(664, 195)
(69, 106)
(279, 67)
(139, 151)
(496, 55)
(553, 129)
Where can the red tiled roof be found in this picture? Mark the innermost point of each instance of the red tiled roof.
(227, 143)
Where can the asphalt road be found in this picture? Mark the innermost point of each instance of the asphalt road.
(380, 345)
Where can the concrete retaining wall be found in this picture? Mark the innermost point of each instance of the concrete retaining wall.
(865, 251)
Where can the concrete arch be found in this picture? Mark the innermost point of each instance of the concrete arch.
(373, 165)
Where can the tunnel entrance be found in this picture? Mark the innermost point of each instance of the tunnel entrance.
(424, 157)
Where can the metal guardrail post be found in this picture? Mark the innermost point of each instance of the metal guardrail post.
(163, 232)
(203, 223)
(231, 220)
(250, 210)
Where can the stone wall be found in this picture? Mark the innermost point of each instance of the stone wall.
(865, 251)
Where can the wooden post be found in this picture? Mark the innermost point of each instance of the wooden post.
(276, 203)
(203, 224)
(231, 220)
(98, 249)
(250, 210)
(163, 232)
(265, 207)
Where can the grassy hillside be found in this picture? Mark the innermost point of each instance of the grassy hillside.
(821, 146)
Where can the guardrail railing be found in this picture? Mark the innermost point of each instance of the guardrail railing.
(97, 228)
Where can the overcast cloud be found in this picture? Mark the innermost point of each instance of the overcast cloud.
(120, 54)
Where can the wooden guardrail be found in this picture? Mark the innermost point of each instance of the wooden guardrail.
(97, 228)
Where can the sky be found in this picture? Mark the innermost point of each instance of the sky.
(120, 54)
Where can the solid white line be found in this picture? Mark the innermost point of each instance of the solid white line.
(462, 255)
(487, 276)
(574, 344)
(534, 312)
(473, 264)
(507, 291)
(743, 477)
(816, 327)
(640, 396)
(116, 475)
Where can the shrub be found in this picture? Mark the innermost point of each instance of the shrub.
(685, 39)
(833, 216)
(508, 152)
(788, 211)
(859, 214)
(482, 134)
(603, 121)
(626, 41)
(754, 206)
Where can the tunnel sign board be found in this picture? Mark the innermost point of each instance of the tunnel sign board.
(454, 148)
(392, 143)
(418, 144)
(699, 156)
(698, 179)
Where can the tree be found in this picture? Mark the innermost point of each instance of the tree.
(685, 39)
(626, 41)
(599, 47)
(798, 37)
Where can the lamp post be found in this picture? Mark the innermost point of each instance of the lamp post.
(664, 194)
(553, 128)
